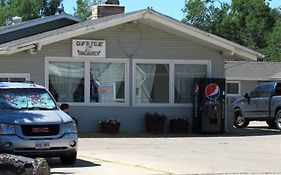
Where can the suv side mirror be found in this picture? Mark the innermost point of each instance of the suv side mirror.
(247, 96)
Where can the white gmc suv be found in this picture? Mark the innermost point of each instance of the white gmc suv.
(31, 123)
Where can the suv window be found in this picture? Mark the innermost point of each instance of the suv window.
(262, 90)
(25, 98)
(278, 89)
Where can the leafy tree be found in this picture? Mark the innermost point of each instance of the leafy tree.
(245, 22)
(208, 15)
(3, 14)
(252, 20)
(28, 9)
(51, 7)
(273, 51)
(83, 10)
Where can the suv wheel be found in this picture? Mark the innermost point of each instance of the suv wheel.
(240, 121)
(271, 123)
(68, 159)
(278, 120)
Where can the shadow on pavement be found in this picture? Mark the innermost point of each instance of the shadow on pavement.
(249, 131)
(58, 173)
(55, 163)
(259, 129)
(254, 131)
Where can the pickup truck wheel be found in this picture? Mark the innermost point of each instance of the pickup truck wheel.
(240, 121)
(278, 120)
(68, 159)
(271, 123)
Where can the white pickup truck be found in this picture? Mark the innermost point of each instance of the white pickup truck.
(263, 104)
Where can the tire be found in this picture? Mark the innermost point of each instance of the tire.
(278, 120)
(68, 159)
(271, 123)
(240, 121)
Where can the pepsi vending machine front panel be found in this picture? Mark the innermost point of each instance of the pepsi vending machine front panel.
(208, 105)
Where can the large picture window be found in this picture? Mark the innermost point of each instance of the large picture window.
(184, 76)
(152, 83)
(88, 81)
(166, 82)
(106, 81)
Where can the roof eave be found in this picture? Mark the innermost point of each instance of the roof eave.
(229, 48)
(73, 33)
(88, 29)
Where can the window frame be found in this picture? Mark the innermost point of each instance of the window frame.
(15, 75)
(171, 64)
(87, 66)
(239, 89)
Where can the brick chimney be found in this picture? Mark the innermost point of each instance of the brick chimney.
(110, 7)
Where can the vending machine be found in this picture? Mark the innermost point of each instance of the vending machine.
(208, 105)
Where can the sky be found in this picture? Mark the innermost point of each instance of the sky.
(172, 8)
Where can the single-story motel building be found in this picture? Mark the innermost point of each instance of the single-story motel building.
(142, 61)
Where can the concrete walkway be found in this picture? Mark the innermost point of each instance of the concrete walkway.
(223, 154)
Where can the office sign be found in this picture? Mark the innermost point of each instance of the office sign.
(89, 48)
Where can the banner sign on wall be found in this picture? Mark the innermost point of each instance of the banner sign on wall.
(89, 48)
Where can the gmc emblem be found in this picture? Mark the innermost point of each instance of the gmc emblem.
(40, 129)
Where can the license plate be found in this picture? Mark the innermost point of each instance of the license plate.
(42, 145)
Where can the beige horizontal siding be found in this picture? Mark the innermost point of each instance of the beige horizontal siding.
(125, 41)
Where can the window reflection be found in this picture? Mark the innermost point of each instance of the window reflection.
(107, 83)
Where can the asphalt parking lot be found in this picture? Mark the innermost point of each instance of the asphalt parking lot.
(255, 150)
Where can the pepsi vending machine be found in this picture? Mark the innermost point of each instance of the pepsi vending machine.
(208, 105)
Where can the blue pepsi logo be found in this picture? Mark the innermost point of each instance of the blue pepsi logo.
(212, 91)
(195, 89)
